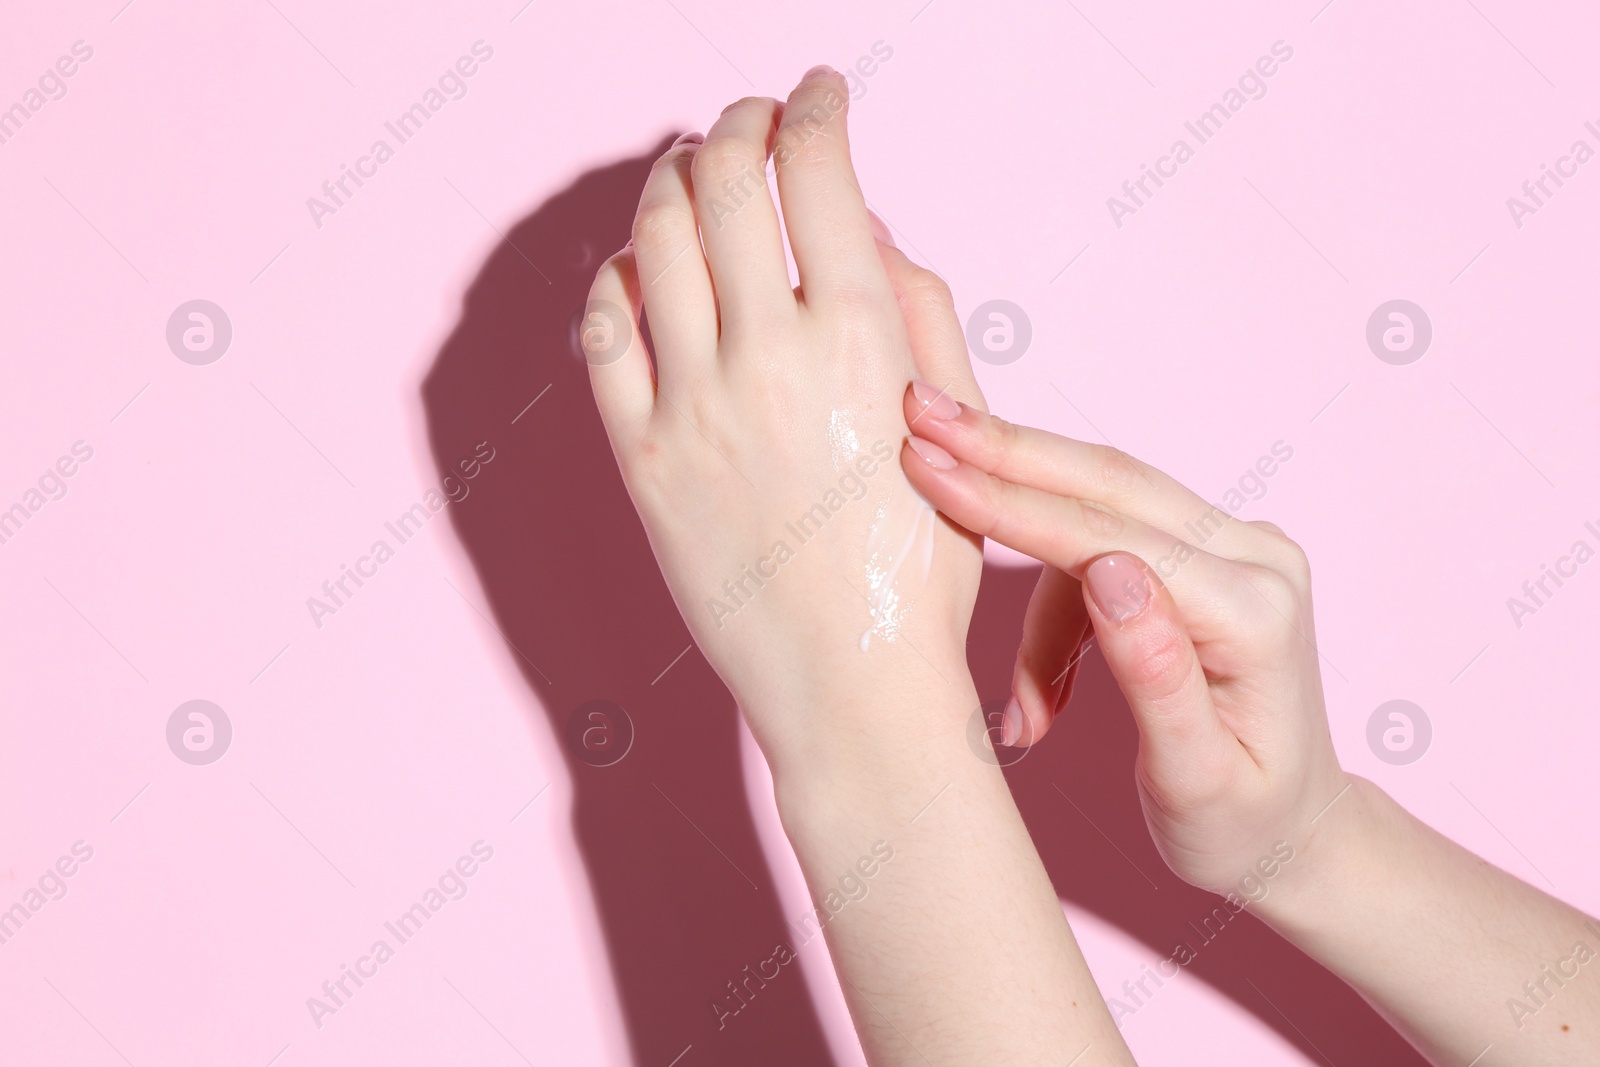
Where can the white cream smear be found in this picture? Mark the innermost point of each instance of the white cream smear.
(899, 560)
(899, 553)
(842, 439)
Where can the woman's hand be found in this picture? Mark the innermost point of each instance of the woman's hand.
(1206, 624)
(1205, 621)
(760, 437)
(762, 450)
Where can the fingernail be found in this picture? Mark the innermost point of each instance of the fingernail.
(819, 70)
(932, 454)
(1119, 587)
(936, 403)
(1011, 723)
(880, 229)
(689, 138)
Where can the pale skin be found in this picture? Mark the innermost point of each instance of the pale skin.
(1219, 666)
(959, 952)
(961, 933)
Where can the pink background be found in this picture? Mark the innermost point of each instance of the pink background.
(368, 754)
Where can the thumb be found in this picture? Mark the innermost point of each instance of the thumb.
(1148, 649)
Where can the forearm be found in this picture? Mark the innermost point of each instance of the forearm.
(954, 949)
(1470, 964)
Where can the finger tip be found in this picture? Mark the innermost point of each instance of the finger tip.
(909, 402)
(1119, 587)
(1038, 724)
(928, 455)
(1011, 723)
(880, 229)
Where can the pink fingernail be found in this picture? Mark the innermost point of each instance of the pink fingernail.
(1011, 723)
(880, 229)
(932, 454)
(936, 403)
(1119, 587)
(819, 70)
(689, 138)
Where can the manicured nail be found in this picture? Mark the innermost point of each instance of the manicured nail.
(936, 403)
(689, 138)
(1119, 587)
(1011, 723)
(819, 70)
(932, 454)
(880, 229)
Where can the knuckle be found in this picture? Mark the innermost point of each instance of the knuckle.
(1286, 555)
(1162, 672)
(661, 225)
(1003, 438)
(811, 125)
(1296, 564)
(1098, 521)
(930, 287)
(926, 304)
(675, 156)
(722, 159)
(747, 101)
(1115, 469)
(998, 499)
(1278, 603)
(804, 148)
(611, 268)
(818, 100)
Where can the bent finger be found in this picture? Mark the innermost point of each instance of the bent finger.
(608, 334)
(1052, 632)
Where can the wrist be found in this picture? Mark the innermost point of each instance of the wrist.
(1338, 860)
(840, 704)
(839, 751)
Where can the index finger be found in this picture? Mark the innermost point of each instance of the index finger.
(1081, 470)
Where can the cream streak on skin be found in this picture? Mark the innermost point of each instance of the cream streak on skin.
(842, 439)
(899, 546)
(899, 560)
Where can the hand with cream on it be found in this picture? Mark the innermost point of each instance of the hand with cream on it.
(761, 445)
(1212, 643)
